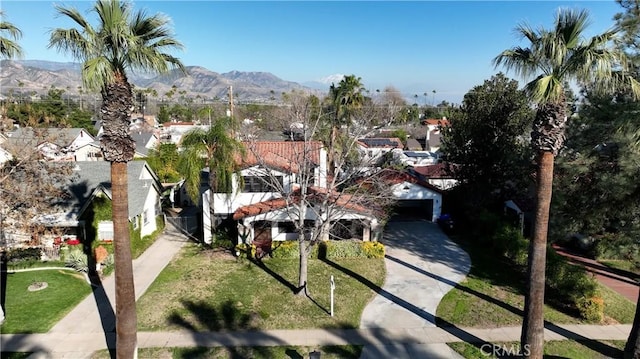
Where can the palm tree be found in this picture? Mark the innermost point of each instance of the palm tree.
(346, 99)
(554, 58)
(9, 49)
(219, 150)
(123, 40)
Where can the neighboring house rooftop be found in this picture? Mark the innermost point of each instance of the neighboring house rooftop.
(27, 136)
(444, 122)
(142, 139)
(286, 155)
(435, 171)
(381, 142)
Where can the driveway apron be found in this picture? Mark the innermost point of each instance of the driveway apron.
(422, 264)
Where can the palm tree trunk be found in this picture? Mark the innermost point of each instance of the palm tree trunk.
(532, 339)
(118, 148)
(632, 349)
(126, 319)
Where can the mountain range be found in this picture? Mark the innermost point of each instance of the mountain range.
(28, 76)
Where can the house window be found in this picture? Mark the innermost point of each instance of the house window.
(145, 217)
(262, 184)
(286, 227)
(105, 231)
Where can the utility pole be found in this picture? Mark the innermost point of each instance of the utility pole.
(230, 101)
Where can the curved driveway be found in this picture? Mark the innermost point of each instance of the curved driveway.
(422, 264)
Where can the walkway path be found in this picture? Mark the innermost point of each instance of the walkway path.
(423, 264)
(623, 282)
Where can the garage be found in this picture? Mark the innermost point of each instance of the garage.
(413, 209)
(415, 199)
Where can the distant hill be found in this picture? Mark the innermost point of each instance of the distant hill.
(38, 76)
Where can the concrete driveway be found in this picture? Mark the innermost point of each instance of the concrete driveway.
(423, 264)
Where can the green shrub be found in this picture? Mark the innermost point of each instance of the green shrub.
(509, 242)
(24, 254)
(246, 250)
(591, 308)
(571, 284)
(78, 261)
(343, 249)
(285, 249)
(616, 246)
(373, 249)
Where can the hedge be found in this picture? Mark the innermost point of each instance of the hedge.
(325, 249)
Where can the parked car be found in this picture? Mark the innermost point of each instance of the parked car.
(446, 223)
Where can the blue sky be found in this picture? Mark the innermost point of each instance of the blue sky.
(416, 46)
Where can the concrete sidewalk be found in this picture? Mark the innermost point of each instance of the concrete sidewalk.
(79, 345)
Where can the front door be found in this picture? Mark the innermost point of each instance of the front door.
(262, 238)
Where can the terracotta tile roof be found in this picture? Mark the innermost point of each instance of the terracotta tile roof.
(286, 155)
(316, 194)
(259, 208)
(435, 122)
(434, 171)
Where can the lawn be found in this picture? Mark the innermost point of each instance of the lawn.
(37, 311)
(204, 292)
(493, 296)
(328, 352)
(552, 349)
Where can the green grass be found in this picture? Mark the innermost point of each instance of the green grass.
(38, 311)
(204, 292)
(552, 349)
(328, 352)
(492, 296)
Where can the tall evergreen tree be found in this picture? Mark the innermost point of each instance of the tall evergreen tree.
(486, 142)
(122, 40)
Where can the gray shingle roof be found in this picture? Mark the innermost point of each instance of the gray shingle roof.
(91, 175)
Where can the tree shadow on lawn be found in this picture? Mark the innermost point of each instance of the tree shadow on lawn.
(294, 289)
(224, 318)
(457, 331)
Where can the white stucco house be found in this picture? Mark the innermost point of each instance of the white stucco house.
(266, 205)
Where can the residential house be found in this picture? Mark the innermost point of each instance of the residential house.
(52, 144)
(172, 132)
(415, 198)
(437, 175)
(433, 135)
(413, 158)
(91, 180)
(89, 152)
(271, 171)
(373, 150)
(145, 141)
